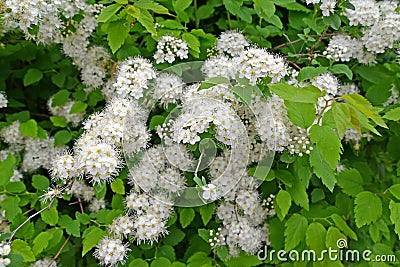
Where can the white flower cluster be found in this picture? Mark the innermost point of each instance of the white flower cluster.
(64, 111)
(111, 251)
(327, 83)
(327, 6)
(3, 100)
(5, 249)
(169, 48)
(232, 42)
(380, 30)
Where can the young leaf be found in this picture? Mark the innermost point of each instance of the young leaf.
(393, 114)
(117, 31)
(299, 194)
(62, 137)
(368, 208)
(151, 5)
(117, 186)
(341, 116)
(40, 242)
(60, 98)
(342, 69)
(29, 128)
(193, 43)
(78, 107)
(283, 201)
(295, 228)
(146, 19)
(22, 248)
(107, 13)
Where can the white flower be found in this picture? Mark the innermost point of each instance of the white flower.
(169, 48)
(3, 100)
(210, 192)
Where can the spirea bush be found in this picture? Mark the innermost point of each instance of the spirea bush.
(199, 133)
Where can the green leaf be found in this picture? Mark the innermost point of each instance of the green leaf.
(342, 69)
(267, 6)
(40, 242)
(146, 19)
(58, 121)
(181, 4)
(29, 128)
(91, 239)
(153, 6)
(308, 94)
(10, 206)
(40, 182)
(22, 248)
(328, 144)
(6, 169)
(32, 76)
(166, 251)
(350, 181)
(341, 116)
(94, 97)
(368, 208)
(117, 186)
(242, 260)
(60, 98)
(210, 82)
(160, 262)
(108, 12)
(199, 258)
(395, 216)
(59, 79)
(395, 190)
(73, 228)
(393, 114)
(155, 121)
(365, 107)
(138, 263)
(174, 237)
(78, 107)
(50, 216)
(206, 212)
(332, 237)
(342, 225)
(299, 194)
(193, 43)
(310, 72)
(186, 216)
(322, 169)
(301, 114)
(315, 237)
(282, 204)
(317, 194)
(379, 93)
(333, 20)
(117, 31)
(62, 137)
(83, 218)
(295, 228)
(15, 187)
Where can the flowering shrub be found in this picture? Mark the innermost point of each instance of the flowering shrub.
(198, 133)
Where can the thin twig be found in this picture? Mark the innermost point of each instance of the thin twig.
(311, 51)
(80, 205)
(198, 165)
(59, 251)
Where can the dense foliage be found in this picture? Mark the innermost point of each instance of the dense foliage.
(199, 133)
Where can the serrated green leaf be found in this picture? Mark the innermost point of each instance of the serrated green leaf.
(299, 194)
(146, 19)
(181, 4)
(117, 31)
(138, 263)
(73, 228)
(151, 5)
(368, 208)
(108, 12)
(295, 228)
(308, 94)
(332, 236)
(393, 114)
(328, 144)
(78, 107)
(233, 6)
(333, 20)
(174, 237)
(10, 206)
(315, 237)
(310, 72)
(193, 43)
(62, 137)
(395, 190)
(40, 182)
(22, 248)
(198, 259)
(300, 114)
(40, 242)
(117, 186)
(395, 216)
(50, 216)
(83, 218)
(60, 98)
(341, 116)
(32, 76)
(206, 212)
(59, 79)
(379, 93)
(6, 169)
(166, 251)
(350, 181)
(342, 225)
(186, 216)
(15, 187)
(91, 239)
(322, 170)
(58, 121)
(160, 262)
(342, 69)
(29, 128)
(282, 203)
(267, 6)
